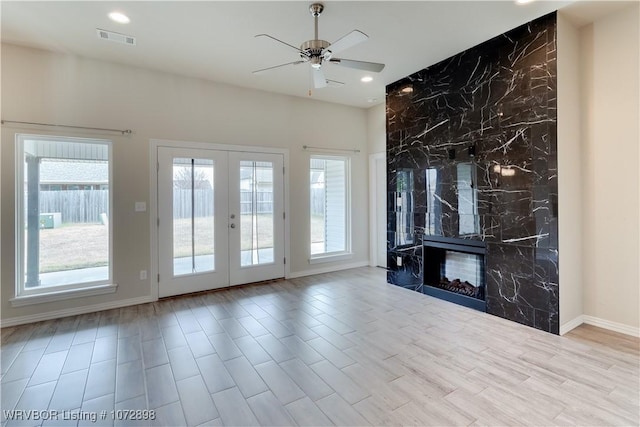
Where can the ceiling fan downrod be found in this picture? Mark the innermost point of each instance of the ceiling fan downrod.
(316, 9)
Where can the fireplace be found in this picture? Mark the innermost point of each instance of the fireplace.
(454, 270)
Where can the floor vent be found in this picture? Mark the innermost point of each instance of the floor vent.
(116, 37)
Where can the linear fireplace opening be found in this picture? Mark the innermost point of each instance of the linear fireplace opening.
(454, 270)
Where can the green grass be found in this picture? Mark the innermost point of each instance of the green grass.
(73, 246)
(76, 246)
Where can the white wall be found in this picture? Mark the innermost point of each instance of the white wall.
(611, 182)
(41, 86)
(569, 175)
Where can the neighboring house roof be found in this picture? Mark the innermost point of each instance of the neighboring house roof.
(73, 172)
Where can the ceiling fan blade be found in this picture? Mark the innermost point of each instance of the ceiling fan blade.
(284, 43)
(351, 39)
(319, 80)
(277, 66)
(374, 67)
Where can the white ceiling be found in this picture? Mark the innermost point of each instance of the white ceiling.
(214, 40)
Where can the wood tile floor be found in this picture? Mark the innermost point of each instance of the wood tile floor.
(336, 349)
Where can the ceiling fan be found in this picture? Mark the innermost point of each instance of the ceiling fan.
(318, 52)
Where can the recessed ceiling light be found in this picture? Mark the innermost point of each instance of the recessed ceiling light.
(407, 89)
(120, 18)
(366, 79)
(523, 1)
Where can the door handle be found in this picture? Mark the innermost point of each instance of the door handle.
(232, 225)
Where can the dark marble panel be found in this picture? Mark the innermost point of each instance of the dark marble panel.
(553, 234)
(409, 274)
(520, 230)
(541, 320)
(494, 107)
(490, 231)
(510, 310)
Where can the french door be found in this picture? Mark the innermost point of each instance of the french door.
(220, 219)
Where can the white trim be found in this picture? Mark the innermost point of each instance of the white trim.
(154, 143)
(612, 326)
(43, 297)
(154, 283)
(571, 324)
(323, 258)
(21, 320)
(373, 213)
(348, 206)
(600, 323)
(328, 269)
(54, 293)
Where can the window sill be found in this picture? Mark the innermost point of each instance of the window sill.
(25, 300)
(320, 259)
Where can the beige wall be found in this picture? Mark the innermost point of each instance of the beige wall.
(377, 128)
(569, 174)
(609, 51)
(41, 86)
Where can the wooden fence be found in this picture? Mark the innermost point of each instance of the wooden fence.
(76, 206)
(85, 206)
(204, 203)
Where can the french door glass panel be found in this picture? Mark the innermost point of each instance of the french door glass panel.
(256, 213)
(193, 220)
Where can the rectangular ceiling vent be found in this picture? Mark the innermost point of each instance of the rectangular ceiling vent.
(116, 37)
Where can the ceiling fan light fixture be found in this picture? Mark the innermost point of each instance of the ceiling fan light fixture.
(119, 17)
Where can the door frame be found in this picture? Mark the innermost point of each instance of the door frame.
(373, 213)
(154, 144)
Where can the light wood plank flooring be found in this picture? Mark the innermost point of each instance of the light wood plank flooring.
(336, 349)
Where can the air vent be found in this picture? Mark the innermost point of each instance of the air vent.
(116, 37)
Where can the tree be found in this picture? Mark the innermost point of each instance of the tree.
(182, 179)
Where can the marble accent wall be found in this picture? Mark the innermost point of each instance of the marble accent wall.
(472, 154)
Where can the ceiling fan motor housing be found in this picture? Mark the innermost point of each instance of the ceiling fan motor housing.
(314, 52)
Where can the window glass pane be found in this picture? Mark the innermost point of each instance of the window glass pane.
(404, 203)
(193, 220)
(65, 214)
(256, 213)
(317, 207)
(467, 199)
(328, 205)
(433, 209)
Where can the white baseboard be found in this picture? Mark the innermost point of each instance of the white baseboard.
(600, 323)
(21, 320)
(612, 326)
(297, 274)
(571, 324)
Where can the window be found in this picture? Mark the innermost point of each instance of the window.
(63, 214)
(329, 190)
